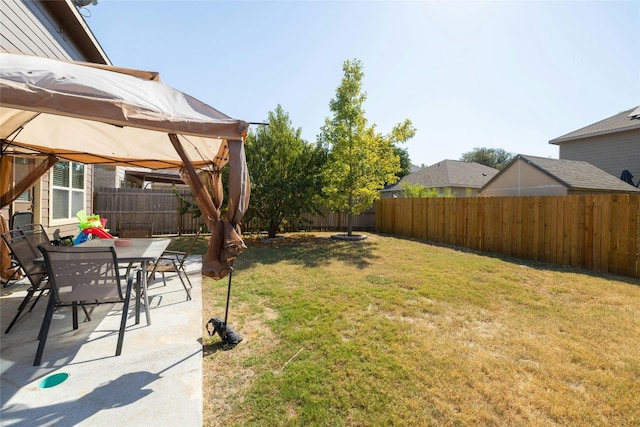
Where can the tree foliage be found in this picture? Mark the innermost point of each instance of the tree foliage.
(421, 191)
(361, 160)
(286, 177)
(493, 157)
(405, 161)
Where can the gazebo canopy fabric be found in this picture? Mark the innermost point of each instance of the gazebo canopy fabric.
(98, 114)
(104, 115)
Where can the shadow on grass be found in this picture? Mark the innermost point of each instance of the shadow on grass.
(309, 250)
(213, 348)
(302, 248)
(312, 250)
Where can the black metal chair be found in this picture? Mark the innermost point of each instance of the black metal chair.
(24, 249)
(23, 243)
(17, 219)
(21, 218)
(39, 229)
(174, 262)
(87, 276)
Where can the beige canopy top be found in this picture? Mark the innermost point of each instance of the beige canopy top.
(107, 115)
(99, 114)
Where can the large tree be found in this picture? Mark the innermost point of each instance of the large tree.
(492, 157)
(286, 173)
(405, 161)
(361, 160)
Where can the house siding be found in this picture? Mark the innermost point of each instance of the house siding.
(35, 27)
(612, 153)
(28, 27)
(522, 179)
(106, 176)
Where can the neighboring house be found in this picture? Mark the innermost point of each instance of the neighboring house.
(52, 29)
(133, 177)
(145, 178)
(110, 176)
(463, 178)
(612, 144)
(130, 177)
(539, 176)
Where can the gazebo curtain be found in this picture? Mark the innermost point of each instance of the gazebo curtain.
(11, 190)
(226, 237)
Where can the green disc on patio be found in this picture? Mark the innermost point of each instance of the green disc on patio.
(54, 380)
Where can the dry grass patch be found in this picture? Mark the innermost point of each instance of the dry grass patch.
(390, 331)
(226, 376)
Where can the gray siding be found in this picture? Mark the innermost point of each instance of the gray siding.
(105, 176)
(612, 153)
(29, 28)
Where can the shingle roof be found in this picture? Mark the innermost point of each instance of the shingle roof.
(620, 122)
(449, 173)
(577, 175)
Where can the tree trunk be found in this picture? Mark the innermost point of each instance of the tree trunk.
(349, 228)
(273, 229)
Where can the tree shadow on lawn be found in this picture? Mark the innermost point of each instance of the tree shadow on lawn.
(309, 250)
(530, 263)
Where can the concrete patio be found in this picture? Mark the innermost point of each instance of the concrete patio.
(157, 380)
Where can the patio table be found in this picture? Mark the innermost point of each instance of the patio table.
(142, 250)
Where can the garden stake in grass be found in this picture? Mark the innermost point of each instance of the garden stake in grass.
(219, 326)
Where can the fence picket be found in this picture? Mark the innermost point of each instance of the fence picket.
(600, 233)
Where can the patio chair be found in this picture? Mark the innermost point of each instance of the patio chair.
(87, 275)
(24, 249)
(21, 218)
(135, 229)
(39, 229)
(23, 243)
(17, 219)
(174, 262)
(10, 264)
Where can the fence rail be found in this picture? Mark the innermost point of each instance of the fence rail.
(160, 207)
(595, 232)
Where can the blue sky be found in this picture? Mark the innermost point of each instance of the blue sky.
(508, 74)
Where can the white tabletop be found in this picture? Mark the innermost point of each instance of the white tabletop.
(141, 249)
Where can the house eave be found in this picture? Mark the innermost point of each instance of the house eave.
(77, 29)
(562, 139)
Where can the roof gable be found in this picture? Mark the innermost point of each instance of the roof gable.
(626, 120)
(575, 175)
(449, 173)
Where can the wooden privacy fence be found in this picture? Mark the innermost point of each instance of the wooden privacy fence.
(160, 207)
(324, 221)
(595, 232)
(328, 220)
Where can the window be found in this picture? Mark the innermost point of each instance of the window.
(68, 190)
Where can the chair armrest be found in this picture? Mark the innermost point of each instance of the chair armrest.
(131, 272)
(172, 253)
(131, 269)
(174, 257)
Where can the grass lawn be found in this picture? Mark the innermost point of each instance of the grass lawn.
(390, 331)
